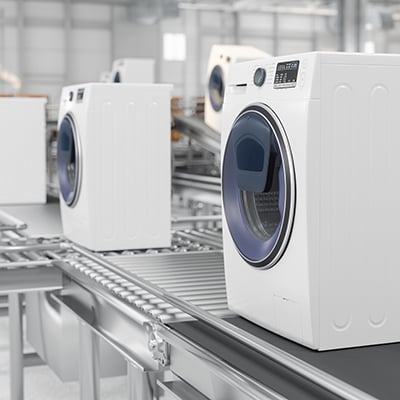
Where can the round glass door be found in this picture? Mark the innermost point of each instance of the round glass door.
(68, 161)
(117, 77)
(258, 185)
(216, 88)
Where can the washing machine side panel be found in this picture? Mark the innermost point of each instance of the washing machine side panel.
(23, 159)
(130, 181)
(139, 71)
(359, 205)
(311, 191)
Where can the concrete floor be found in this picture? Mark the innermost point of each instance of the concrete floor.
(41, 383)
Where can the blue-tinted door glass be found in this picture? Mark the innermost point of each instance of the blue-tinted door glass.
(256, 188)
(216, 88)
(250, 155)
(67, 161)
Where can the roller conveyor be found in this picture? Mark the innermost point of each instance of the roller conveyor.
(197, 277)
(179, 297)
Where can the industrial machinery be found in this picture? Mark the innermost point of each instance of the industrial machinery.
(114, 165)
(133, 70)
(221, 57)
(165, 312)
(23, 159)
(310, 252)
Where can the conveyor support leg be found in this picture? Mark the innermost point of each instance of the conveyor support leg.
(16, 347)
(139, 384)
(89, 377)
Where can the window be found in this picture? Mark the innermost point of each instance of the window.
(174, 47)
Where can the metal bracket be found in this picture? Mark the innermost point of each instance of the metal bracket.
(158, 347)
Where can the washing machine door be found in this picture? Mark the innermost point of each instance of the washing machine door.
(258, 185)
(117, 77)
(68, 161)
(216, 88)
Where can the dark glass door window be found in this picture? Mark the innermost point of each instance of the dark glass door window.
(258, 186)
(68, 161)
(216, 88)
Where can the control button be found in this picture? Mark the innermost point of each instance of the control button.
(259, 76)
(71, 96)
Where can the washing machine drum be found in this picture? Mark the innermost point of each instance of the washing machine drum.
(68, 161)
(258, 185)
(216, 88)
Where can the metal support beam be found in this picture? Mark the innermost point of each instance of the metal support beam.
(89, 351)
(67, 41)
(192, 73)
(351, 23)
(2, 44)
(140, 383)
(21, 41)
(236, 27)
(275, 34)
(16, 347)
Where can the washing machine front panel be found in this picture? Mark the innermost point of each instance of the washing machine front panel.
(69, 161)
(216, 88)
(258, 183)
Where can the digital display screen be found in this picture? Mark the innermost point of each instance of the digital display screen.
(80, 94)
(286, 74)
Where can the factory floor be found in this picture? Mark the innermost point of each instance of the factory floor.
(41, 383)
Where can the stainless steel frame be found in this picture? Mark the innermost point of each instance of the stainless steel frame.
(131, 306)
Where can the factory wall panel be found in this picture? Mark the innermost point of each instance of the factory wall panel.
(264, 44)
(86, 66)
(48, 38)
(90, 40)
(44, 9)
(264, 23)
(64, 43)
(91, 12)
(296, 23)
(8, 8)
(294, 46)
(171, 71)
(134, 40)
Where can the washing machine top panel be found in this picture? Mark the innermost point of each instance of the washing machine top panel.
(216, 88)
(68, 161)
(258, 184)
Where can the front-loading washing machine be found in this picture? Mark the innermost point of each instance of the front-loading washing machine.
(311, 197)
(114, 165)
(133, 70)
(105, 77)
(220, 58)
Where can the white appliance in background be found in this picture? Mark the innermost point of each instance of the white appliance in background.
(23, 144)
(311, 197)
(114, 165)
(221, 57)
(133, 70)
(105, 77)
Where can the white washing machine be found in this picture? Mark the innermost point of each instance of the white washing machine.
(105, 76)
(221, 57)
(23, 144)
(133, 70)
(114, 165)
(311, 197)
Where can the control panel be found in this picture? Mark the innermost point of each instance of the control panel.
(286, 74)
